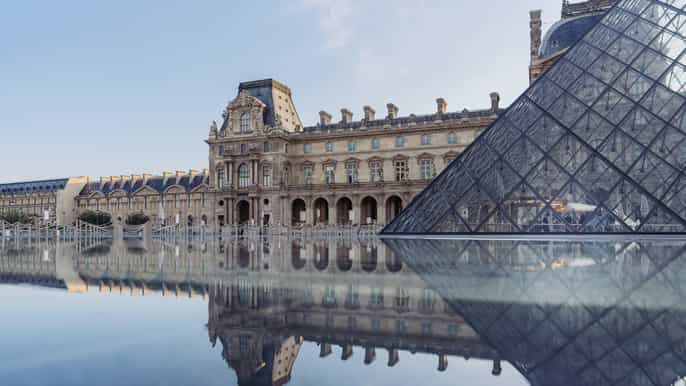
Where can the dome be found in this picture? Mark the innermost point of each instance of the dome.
(566, 32)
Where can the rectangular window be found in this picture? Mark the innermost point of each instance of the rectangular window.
(351, 171)
(244, 148)
(426, 327)
(329, 147)
(221, 177)
(329, 174)
(307, 171)
(427, 169)
(401, 170)
(426, 139)
(400, 326)
(308, 148)
(376, 171)
(399, 141)
(452, 138)
(376, 144)
(267, 176)
(352, 146)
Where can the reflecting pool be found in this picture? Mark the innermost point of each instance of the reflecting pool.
(279, 311)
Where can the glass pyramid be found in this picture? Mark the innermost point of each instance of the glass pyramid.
(596, 145)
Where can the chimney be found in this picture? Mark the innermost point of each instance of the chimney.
(369, 113)
(535, 31)
(441, 106)
(147, 176)
(324, 118)
(205, 171)
(346, 116)
(392, 111)
(193, 172)
(180, 173)
(135, 177)
(125, 178)
(495, 101)
(167, 174)
(105, 179)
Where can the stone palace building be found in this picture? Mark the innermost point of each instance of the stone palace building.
(266, 167)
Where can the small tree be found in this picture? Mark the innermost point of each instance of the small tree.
(95, 218)
(16, 217)
(137, 219)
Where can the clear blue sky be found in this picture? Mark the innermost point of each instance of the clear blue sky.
(117, 87)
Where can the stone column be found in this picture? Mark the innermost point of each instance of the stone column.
(332, 210)
(309, 211)
(229, 174)
(381, 210)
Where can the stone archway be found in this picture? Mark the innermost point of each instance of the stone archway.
(394, 205)
(321, 211)
(243, 212)
(344, 211)
(298, 212)
(369, 211)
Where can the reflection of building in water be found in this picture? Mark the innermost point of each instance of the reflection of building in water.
(49, 265)
(567, 313)
(340, 297)
(267, 297)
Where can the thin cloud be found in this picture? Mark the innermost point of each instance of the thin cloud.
(334, 20)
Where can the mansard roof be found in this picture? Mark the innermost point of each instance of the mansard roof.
(157, 183)
(596, 145)
(42, 186)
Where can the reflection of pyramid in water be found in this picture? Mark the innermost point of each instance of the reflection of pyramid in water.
(597, 144)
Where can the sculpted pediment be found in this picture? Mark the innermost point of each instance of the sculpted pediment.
(245, 101)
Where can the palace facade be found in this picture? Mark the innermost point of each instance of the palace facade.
(267, 168)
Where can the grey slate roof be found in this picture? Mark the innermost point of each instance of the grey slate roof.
(157, 183)
(43, 186)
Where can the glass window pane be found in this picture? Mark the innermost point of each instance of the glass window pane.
(642, 31)
(669, 44)
(624, 49)
(583, 55)
(567, 109)
(675, 78)
(635, 6)
(613, 106)
(544, 93)
(587, 89)
(593, 129)
(658, 14)
(563, 73)
(606, 68)
(651, 64)
(618, 20)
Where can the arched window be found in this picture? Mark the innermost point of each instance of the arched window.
(452, 138)
(243, 176)
(245, 122)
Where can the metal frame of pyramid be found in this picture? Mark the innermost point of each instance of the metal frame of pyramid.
(596, 145)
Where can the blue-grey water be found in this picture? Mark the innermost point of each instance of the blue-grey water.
(395, 312)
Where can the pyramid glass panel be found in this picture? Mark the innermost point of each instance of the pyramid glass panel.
(596, 145)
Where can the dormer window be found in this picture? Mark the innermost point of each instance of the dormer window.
(245, 122)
